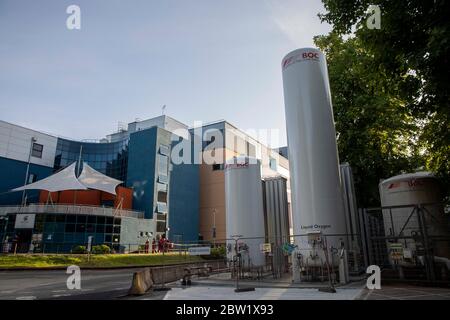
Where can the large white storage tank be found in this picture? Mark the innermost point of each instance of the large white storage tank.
(408, 190)
(244, 207)
(317, 203)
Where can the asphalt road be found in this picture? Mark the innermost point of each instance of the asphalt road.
(51, 284)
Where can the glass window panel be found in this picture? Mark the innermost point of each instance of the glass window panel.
(70, 227)
(163, 164)
(164, 150)
(81, 228)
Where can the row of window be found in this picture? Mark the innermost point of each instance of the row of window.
(98, 238)
(72, 218)
(108, 158)
(81, 228)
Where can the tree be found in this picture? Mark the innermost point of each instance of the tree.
(376, 130)
(413, 42)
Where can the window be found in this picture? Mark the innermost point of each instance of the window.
(239, 145)
(273, 164)
(36, 151)
(32, 178)
(162, 197)
(161, 207)
(217, 167)
(164, 150)
(251, 150)
(163, 178)
(160, 226)
(161, 187)
(162, 217)
(163, 165)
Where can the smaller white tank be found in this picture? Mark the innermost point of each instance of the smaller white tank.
(244, 208)
(420, 188)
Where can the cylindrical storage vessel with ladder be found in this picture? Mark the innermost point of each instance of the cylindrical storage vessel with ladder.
(245, 213)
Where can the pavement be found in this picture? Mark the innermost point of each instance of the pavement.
(114, 284)
(227, 293)
(405, 292)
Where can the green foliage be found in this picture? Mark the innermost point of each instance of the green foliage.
(217, 253)
(101, 249)
(11, 261)
(79, 249)
(376, 130)
(408, 56)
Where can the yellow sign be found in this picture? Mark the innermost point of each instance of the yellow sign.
(266, 247)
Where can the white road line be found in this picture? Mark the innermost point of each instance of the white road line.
(26, 298)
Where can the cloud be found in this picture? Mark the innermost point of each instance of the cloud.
(298, 20)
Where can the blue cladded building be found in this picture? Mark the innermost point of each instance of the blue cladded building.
(166, 195)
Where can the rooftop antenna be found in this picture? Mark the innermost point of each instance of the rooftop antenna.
(163, 109)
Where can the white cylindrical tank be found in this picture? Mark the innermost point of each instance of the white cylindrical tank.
(420, 188)
(244, 208)
(317, 204)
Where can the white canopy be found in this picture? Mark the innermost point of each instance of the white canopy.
(67, 180)
(98, 181)
(62, 180)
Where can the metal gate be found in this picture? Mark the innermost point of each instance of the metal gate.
(410, 242)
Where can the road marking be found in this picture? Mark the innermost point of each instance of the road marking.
(26, 298)
(61, 295)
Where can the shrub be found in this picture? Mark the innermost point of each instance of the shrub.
(217, 253)
(101, 249)
(79, 249)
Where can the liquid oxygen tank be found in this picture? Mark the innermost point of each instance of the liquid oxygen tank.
(317, 204)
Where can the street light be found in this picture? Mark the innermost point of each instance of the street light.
(214, 227)
(6, 218)
(33, 140)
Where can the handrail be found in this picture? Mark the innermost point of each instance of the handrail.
(71, 209)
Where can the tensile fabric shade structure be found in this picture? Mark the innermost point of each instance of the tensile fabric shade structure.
(60, 181)
(93, 179)
(66, 180)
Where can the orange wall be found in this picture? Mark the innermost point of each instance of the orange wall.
(90, 197)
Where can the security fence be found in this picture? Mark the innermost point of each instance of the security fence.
(410, 242)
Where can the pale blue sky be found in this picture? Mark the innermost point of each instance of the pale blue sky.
(205, 59)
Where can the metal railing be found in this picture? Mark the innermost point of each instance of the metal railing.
(71, 209)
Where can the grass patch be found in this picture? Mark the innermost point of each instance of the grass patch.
(97, 261)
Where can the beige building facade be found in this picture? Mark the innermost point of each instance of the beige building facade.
(212, 176)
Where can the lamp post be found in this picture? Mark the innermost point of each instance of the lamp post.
(33, 140)
(214, 227)
(6, 218)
